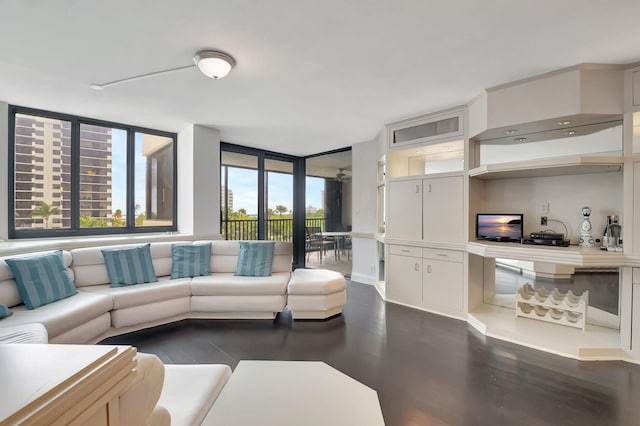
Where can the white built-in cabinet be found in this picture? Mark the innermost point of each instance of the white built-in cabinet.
(443, 209)
(404, 275)
(426, 213)
(429, 209)
(404, 215)
(427, 278)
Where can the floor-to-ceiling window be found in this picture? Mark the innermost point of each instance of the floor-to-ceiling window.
(328, 211)
(269, 196)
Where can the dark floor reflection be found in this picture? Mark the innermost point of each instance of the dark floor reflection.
(427, 369)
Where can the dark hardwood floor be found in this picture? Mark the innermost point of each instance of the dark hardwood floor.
(427, 369)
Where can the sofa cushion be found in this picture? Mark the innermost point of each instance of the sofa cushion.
(42, 279)
(190, 260)
(142, 294)
(224, 256)
(129, 266)
(228, 284)
(89, 268)
(63, 315)
(4, 311)
(255, 258)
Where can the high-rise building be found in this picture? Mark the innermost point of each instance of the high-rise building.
(229, 194)
(43, 172)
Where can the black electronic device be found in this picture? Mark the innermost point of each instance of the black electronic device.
(546, 236)
(499, 227)
(546, 242)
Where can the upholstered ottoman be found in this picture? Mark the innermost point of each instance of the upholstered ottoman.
(316, 293)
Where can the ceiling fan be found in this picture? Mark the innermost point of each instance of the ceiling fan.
(342, 175)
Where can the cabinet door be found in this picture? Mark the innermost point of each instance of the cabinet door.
(442, 209)
(404, 280)
(442, 287)
(404, 219)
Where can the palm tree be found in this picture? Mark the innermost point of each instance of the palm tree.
(281, 209)
(44, 211)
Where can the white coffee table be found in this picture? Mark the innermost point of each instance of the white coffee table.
(294, 393)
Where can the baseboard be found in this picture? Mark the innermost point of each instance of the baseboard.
(364, 279)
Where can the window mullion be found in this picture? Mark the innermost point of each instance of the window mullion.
(131, 177)
(75, 175)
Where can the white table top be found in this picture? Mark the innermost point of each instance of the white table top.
(294, 393)
(335, 233)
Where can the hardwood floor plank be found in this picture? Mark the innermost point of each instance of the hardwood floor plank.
(427, 369)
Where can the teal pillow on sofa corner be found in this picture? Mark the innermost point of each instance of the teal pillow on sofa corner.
(255, 258)
(42, 280)
(190, 260)
(129, 266)
(4, 311)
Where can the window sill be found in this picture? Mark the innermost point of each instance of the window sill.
(12, 247)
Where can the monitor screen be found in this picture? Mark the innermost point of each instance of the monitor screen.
(499, 227)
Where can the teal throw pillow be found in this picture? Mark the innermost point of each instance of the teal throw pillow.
(42, 279)
(129, 266)
(190, 260)
(4, 311)
(255, 258)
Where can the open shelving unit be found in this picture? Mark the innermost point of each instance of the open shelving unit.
(554, 166)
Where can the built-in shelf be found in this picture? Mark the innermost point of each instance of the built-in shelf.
(556, 166)
(594, 343)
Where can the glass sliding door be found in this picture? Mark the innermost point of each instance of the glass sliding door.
(328, 211)
(239, 196)
(279, 199)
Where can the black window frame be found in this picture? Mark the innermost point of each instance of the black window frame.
(75, 229)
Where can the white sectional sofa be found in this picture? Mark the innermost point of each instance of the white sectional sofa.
(99, 311)
(157, 394)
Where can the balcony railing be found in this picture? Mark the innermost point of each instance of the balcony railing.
(277, 229)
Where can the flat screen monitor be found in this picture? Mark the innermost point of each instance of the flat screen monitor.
(499, 227)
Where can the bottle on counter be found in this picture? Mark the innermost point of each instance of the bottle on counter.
(612, 239)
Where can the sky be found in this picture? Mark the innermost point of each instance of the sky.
(119, 174)
(243, 183)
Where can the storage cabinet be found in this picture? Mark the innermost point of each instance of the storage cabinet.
(405, 210)
(404, 280)
(443, 282)
(429, 209)
(443, 209)
(430, 279)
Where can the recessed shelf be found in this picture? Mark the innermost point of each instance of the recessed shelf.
(556, 166)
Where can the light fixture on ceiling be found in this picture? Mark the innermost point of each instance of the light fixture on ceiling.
(212, 63)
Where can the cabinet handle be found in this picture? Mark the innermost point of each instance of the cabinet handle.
(405, 251)
(429, 188)
(417, 267)
(417, 189)
(428, 269)
(443, 255)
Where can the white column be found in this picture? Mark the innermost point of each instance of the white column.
(364, 192)
(199, 182)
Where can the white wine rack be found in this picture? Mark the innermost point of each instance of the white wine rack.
(552, 306)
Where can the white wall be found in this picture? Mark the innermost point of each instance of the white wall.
(566, 196)
(364, 192)
(199, 181)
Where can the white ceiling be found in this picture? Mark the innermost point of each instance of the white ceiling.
(311, 76)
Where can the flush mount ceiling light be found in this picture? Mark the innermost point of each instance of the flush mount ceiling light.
(212, 63)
